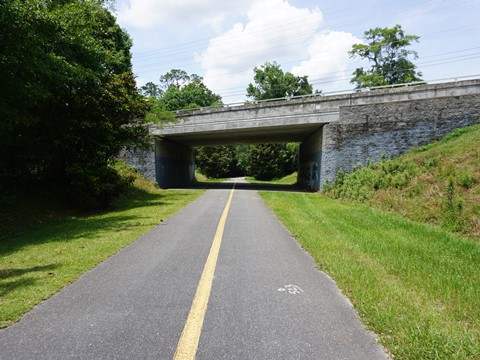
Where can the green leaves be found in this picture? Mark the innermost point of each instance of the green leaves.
(272, 161)
(178, 91)
(272, 83)
(68, 94)
(386, 50)
(192, 95)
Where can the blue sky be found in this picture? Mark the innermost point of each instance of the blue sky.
(223, 41)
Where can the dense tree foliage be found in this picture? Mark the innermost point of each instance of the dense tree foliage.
(272, 83)
(183, 91)
(151, 90)
(272, 161)
(387, 50)
(216, 161)
(68, 100)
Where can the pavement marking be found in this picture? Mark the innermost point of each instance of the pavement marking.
(188, 344)
(291, 289)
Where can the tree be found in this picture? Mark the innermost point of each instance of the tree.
(185, 91)
(68, 100)
(216, 161)
(175, 78)
(272, 161)
(386, 49)
(272, 83)
(151, 90)
(190, 96)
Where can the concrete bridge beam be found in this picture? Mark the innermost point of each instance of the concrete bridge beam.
(174, 164)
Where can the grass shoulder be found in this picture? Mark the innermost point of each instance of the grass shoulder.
(286, 180)
(416, 286)
(438, 183)
(200, 178)
(44, 245)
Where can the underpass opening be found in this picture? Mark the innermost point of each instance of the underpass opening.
(225, 154)
(263, 162)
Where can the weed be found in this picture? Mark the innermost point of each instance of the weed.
(430, 163)
(467, 180)
(453, 206)
(447, 171)
(415, 190)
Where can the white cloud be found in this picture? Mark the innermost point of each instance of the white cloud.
(328, 57)
(151, 13)
(259, 31)
(275, 30)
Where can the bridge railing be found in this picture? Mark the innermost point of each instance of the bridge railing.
(330, 93)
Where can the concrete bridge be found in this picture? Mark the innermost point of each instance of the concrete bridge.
(335, 132)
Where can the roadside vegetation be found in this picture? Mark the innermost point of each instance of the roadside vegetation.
(286, 180)
(200, 178)
(408, 257)
(438, 183)
(45, 245)
(416, 286)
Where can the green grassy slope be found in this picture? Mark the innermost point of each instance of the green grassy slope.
(438, 183)
(44, 245)
(415, 285)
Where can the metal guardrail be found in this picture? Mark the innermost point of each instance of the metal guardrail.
(331, 93)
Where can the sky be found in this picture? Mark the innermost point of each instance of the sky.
(223, 41)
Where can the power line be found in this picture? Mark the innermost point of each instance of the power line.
(181, 54)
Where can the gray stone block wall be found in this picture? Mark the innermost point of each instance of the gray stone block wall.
(142, 161)
(310, 162)
(367, 131)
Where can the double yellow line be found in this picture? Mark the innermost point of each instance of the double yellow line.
(188, 343)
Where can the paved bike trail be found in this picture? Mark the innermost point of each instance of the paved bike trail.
(267, 299)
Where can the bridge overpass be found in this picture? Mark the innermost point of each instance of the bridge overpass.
(335, 132)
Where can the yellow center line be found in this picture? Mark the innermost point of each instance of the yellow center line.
(188, 343)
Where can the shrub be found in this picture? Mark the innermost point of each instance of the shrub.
(452, 206)
(466, 180)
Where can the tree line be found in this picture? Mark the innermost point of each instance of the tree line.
(68, 98)
(69, 102)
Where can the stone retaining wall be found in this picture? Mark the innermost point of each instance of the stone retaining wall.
(367, 131)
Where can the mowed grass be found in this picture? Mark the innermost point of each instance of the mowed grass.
(42, 249)
(415, 285)
(438, 183)
(200, 178)
(286, 180)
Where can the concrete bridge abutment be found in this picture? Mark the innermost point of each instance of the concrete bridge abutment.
(310, 161)
(174, 164)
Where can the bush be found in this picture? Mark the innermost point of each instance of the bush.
(97, 186)
(466, 180)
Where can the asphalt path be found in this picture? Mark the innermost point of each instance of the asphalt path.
(267, 300)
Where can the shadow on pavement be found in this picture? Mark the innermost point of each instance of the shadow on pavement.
(241, 184)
